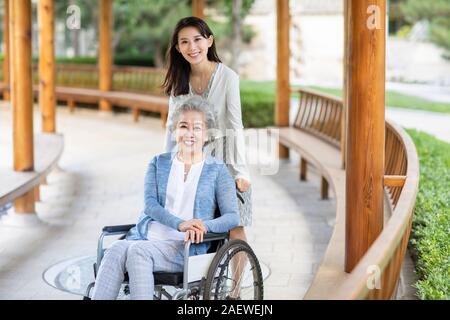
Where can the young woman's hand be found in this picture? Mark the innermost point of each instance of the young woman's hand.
(242, 185)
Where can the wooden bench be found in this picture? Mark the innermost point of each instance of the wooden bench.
(48, 149)
(135, 101)
(316, 135)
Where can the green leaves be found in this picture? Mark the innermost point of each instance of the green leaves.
(436, 12)
(430, 236)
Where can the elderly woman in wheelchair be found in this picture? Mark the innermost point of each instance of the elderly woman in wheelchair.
(190, 205)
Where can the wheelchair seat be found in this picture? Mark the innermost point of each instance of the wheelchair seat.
(176, 278)
(164, 278)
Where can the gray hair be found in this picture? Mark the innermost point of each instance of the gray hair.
(195, 103)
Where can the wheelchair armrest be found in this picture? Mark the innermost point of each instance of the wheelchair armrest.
(210, 236)
(117, 229)
(109, 231)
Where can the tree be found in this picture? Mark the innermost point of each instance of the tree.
(88, 19)
(436, 12)
(145, 26)
(231, 33)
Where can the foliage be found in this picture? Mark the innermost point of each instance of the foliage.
(224, 29)
(144, 27)
(258, 104)
(437, 12)
(430, 240)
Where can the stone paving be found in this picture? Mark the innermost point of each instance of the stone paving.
(100, 182)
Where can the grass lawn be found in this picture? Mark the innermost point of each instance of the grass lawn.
(399, 100)
(393, 99)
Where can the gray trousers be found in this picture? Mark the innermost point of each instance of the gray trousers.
(140, 259)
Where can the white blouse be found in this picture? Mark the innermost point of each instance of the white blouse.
(180, 198)
(224, 96)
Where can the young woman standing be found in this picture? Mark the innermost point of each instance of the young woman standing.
(194, 68)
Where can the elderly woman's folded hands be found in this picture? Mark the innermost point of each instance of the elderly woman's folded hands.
(194, 228)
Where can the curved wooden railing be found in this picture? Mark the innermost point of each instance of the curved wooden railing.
(387, 252)
(377, 274)
(320, 115)
(125, 78)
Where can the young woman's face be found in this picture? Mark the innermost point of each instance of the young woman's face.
(193, 46)
(191, 132)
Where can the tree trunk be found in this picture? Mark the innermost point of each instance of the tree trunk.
(236, 34)
(158, 56)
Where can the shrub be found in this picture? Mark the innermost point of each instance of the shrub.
(430, 240)
(258, 104)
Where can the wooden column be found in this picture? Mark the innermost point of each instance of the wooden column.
(47, 99)
(365, 131)
(282, 86)
(198, 8)
(105, 51)
(22, 97)
(6, 60)
(345, 87)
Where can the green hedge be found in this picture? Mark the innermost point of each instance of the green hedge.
(119, 60)
(258, 103)
(430, 236)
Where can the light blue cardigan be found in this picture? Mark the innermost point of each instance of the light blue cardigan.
(216, 189)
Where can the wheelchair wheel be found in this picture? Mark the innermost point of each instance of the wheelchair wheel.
(234, 274)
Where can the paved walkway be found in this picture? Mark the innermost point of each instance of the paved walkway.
(100, 182)
(426, 91)
(434, 123)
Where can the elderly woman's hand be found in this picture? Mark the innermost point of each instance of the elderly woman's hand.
(195, 235)
(194, 228)
(242, 185)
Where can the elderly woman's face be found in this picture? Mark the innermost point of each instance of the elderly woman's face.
(191, 132)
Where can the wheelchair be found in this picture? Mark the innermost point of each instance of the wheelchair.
(229, 270)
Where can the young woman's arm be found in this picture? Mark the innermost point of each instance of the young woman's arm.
(225, 191)
(234, 119)
(152, 207)
(169, 143)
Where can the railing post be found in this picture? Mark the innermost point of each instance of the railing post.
(365, 131)
(6, 60)
(105, 51)
(198, 8)
(47, 99)
(283, 54)
(22, 97)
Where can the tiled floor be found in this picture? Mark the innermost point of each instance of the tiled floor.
(100, 182)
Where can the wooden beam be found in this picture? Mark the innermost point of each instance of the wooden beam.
(105, 51)
(198, 8)
(365, 128)
(324, 186)
(303, 169)
(283, 55)
(394, 181)
(345, 87)
(47, 99)
(22, 97)
(6, 60)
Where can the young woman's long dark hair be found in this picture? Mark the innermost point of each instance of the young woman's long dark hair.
(177, 78)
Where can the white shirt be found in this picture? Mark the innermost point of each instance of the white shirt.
(180, 198)
(224, 96)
